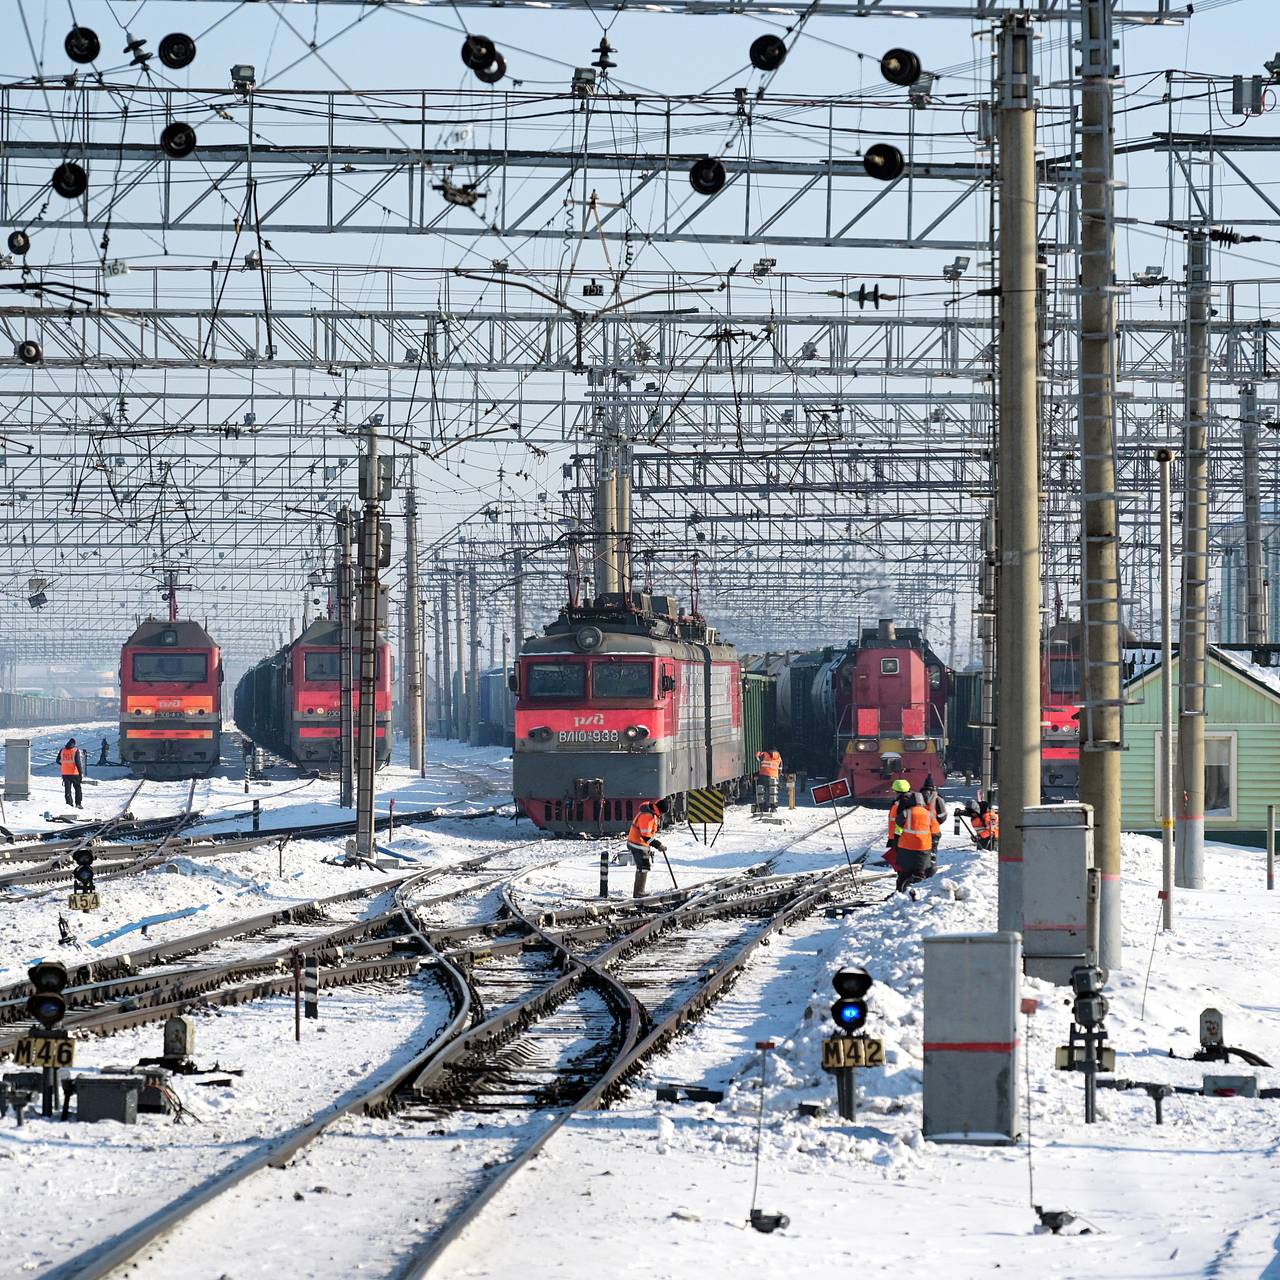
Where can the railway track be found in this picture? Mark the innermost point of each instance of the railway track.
(548, 1014)
(249, 958)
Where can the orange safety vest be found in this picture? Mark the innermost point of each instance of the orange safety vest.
(987, 826)
(643, 829)
(68, 763)
(894, 829)
(770, 764)
(915, 832)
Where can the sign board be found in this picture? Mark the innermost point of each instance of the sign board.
(1071, 1058)
(839, 1052)
(83, 901)
(706, 805)
(829, 792)
(44, 1051)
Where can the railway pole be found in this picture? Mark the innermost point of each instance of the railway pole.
(1165, 458)
(1189, 865)
(1101, 737)
(473, 694)
(517, 560)
(372, 485)
(437, 703)
(987, 649)
(605, 567)
(1255, 607)
(346, 651)
(412, 630)
(1018, 489)
(460, 696)
(445, 669)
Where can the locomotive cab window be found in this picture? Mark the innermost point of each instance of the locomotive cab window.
(888, 666)
(621, 680)
(322, 666)
(556, 680)
(317, 665)
(172, 668)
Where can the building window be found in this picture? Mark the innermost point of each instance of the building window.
(1219, 776)
(888, 666)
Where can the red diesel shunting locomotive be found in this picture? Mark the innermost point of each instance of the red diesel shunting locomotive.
(291, 701)
(170, 701)
(896, 689)
(620, 702)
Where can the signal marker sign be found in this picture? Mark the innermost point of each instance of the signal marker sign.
(829, 792)
(706, 805)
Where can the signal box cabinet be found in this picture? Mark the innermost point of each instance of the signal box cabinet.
(1059, 898)
(971, 1047)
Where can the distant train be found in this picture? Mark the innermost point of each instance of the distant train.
(622, 701)
(871, 712)
(290, 702)
(170, 701)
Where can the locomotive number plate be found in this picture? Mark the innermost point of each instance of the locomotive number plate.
(44, 1051)
(588, 735)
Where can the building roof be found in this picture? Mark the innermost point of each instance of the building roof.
(1265, 679)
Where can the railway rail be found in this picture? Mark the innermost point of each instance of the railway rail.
(549, 1012)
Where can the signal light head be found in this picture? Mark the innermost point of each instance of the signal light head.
(46, 1005)
(851, 983)
(849, 1015)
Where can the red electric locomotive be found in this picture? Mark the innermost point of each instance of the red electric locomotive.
(290, 702)
(170, 701)
(623, 701)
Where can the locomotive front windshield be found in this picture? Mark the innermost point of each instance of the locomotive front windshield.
(621, 680)
(556, 680)
(322, 666)
(170, 668)
(318, 665)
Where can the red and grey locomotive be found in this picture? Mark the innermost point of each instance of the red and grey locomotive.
(290, 703)
(622, 701)
(170, 701)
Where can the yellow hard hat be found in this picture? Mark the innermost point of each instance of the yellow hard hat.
(901, 784)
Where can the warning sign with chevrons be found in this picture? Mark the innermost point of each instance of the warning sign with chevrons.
(706, 806)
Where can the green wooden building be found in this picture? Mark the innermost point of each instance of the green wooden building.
(1242, 748)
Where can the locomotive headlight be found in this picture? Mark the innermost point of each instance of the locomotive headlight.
(868, 744)
(540, 734)
(635, 733)
(143, 711)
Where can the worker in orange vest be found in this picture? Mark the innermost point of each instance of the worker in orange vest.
(641, 840)
(912, 853)
(71, 765)
(986, 826)
(770, 763)
(897, 810)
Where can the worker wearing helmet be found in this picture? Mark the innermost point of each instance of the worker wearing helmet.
(911, 855)
(901, 789)
(641, 840)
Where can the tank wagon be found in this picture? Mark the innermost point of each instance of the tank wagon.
(622, 701)
(170, 701)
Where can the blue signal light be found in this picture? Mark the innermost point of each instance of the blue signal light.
(849, 1014)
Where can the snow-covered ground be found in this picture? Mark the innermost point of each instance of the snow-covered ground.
(660, 1189)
